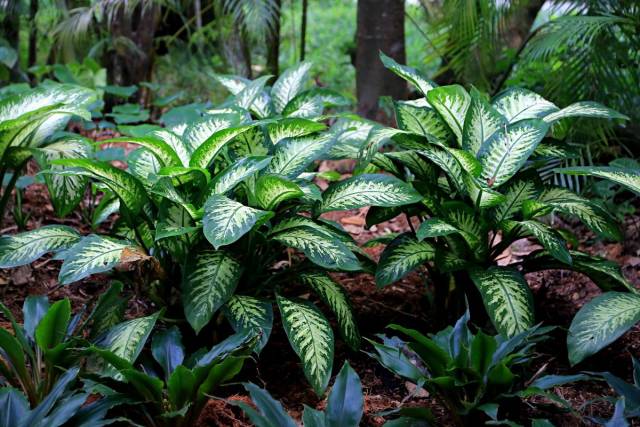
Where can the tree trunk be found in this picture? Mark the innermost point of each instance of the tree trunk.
(273, 45)
(33, 34)
(303, 30)
(380, 28)
(235, 50)
(519, 24)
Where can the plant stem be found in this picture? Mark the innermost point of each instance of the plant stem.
(8, 190)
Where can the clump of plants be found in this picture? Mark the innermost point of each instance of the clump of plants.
(477, 164)
(213, 212)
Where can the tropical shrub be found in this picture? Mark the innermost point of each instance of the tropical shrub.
(475, 375)
(28, 118)
(627, 401)
(217, 206)
(344, 405)
(174, 390)
(478, 165)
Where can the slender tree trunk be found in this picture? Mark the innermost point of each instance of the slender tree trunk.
(380, 28)
(303, 29)
(519, 24)
(273, 44)
(236, 51)
(33, 33)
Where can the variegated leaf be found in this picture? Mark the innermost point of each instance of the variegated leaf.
(516, 193)
(434, 227)
(211, 278)
(66, 191)
(292, 128)
(248, 95)
(480, 123)
(409, 74)
(400, 257)
(584, 109)
(452, 103)
(129, 189)
(293, 156)
(127, 339)
(334, 296)
(376, 138)
(627, 177)
(548, 238)
(600, 322)
(289, 84)
(416, 164)
(311, 337)
(311, 103)
(225, 220)
(422, 120)
(507, 150)
(92, 254)
(517, 104)
(207, 151)
(233, 84)
(153, 143)
(253, 142)
(507, 298)
(24, 248)
(174, 141)
(321, 248)
(198, 132)
(233, 175)
(481, 195)
(569, 203)
(445, 160)
(144, 166)
(368, 190)
(271, 190)
(245, 312)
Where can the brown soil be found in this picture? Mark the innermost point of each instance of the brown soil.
(558, 295)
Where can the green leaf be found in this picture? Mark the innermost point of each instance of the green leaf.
(293, 156)
(207, 151)
(368, 190)
(24, 248)
(163, 151)
(627, 177)
(289, 84)
(167, 349)
(311, 102)
(451, 102)
(245, 312)
(93, 254)
(446, 161)
(569, 203)
(225, 220)
(321, 248)
(549, 239)
(52, 329)
(585, 109)
(210, 280)
(422, 120)
(144, 166)
(508, 149)
(126, 340)
(400, 257)
(130, 190)
(409, 74)
(181, 387)
(480, 123)
(33, 309)
(334, 296)
(434, 227)
(376, 138)
(236, 173)
(14, 407)
(292, 128)
(604, 273)
(507, 298)
(345, 403)
(14, 353)
(271, 190)
(600, 322)
(516, 193)
(517, 104)
(66, 191)
(271, 413)
(311, 337)
(199, 131)
(251, 92)
(177, 143)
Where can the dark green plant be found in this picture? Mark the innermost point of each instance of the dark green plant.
(476, 165)
(39, 352)
(627, 401)
(345, 405)
(476, 375)
(173, 390)
(212, 210)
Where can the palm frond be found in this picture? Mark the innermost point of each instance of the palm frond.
(257, 17)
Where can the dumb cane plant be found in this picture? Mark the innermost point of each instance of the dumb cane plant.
(218, 207)
(476, 165)
(27, 120)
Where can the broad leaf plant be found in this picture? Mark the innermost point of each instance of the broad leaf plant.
(477, 164)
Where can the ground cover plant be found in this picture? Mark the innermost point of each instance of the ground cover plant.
(477, 164)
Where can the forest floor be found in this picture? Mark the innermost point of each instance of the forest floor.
(558, 295)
